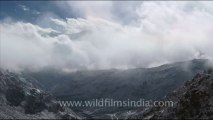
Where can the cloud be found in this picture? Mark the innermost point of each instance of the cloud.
(27, 9)
(122, 12)
(157, 33)
(24, 8)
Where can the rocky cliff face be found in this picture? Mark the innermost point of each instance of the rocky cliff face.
(194, 100)
(22, 98)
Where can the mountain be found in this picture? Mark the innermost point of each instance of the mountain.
(29, 95)
(147, 83)
(194, 100)
(22, 98)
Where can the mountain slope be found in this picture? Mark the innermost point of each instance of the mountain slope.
(151, 82)
(194, 100)
(22, 98)
(133, 84)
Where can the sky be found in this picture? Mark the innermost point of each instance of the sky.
(88, 35)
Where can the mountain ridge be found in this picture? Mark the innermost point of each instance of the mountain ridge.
(133, 84)
(194, 100)
(23, 99)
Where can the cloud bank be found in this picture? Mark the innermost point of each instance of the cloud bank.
(149, 34)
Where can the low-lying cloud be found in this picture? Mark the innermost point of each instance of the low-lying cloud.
(157, 33)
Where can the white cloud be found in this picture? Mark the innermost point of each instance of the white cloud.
(89, 8)
(162, 32)
(24, 8)
(27, 9)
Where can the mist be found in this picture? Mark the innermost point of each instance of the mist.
(149, 34)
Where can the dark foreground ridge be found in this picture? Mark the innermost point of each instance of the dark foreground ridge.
(194, 101)
(22, 98)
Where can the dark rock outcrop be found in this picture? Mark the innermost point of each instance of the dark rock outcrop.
(15, 96)
(21, 98)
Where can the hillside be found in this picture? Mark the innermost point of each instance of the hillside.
(22, 98)
(147, 83)
(194, 100)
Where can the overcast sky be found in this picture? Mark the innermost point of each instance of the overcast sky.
(76, 35)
